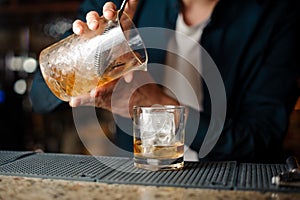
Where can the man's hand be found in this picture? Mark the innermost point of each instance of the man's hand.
(109, 12)
(119, 97)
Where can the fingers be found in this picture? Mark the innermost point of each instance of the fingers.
(131, 7)
(92, 23)
(92, 20)
(87, 100)
(109, 10)
(98, 97)
(79, 27)
(128, 77)
(82, 100)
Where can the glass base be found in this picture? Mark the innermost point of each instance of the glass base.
(156, 164)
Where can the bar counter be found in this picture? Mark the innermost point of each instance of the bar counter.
(30, 175)
(25, 188)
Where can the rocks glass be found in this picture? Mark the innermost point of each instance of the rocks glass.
(159, 133)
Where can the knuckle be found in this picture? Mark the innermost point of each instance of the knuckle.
(109, 5)
(92, 15)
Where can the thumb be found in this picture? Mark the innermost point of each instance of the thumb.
(128, 77)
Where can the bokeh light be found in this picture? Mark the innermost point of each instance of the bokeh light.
(20, 86)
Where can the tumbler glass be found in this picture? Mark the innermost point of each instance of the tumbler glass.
(158, 134)
(77, 64)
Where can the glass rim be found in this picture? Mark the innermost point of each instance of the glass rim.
(161, 107)
(134, 28)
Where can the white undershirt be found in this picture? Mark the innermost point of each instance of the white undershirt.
(186, 44)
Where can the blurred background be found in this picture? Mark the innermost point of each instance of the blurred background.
(28, 26)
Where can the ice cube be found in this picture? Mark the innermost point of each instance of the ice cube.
(147, 138)
(163, 138)
(157, 128)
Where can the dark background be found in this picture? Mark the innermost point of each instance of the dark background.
(26, 27)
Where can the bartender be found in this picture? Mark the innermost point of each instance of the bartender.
(252, 43)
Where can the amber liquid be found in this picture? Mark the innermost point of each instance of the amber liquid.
(158, 151)
(73, 82)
